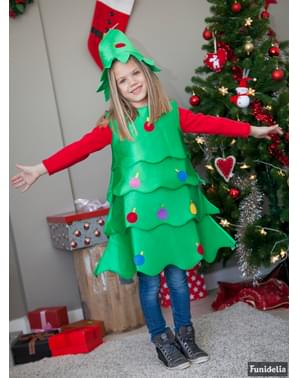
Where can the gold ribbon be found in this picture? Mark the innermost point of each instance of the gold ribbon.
(32, 340)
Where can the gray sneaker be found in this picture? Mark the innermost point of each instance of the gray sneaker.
(186, 340)
(168, 351)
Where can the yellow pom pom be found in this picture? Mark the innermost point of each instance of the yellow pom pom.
(193, 208)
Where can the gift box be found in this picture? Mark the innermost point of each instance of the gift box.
(196, 284)
(85, 323)
(71, 231)
(31, 347)
(76, 340)
(47, 318)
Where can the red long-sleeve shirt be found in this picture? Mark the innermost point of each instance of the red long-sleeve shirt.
(100, 137)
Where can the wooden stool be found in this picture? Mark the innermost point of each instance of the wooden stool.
(104, 297)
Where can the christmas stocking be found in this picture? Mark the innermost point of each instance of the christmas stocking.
(108, 14)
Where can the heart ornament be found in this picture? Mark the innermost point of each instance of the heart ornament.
(225, 166)
(216, 61)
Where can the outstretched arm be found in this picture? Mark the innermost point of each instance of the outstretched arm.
(206, 124)
(75, 152)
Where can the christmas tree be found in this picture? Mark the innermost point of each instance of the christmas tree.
(245, 77)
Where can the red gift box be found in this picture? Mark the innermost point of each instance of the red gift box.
(74, 341)
(47, 318)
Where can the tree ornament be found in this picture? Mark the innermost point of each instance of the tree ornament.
(248, 21)
(234, 193)
(135, 181)
(207, 34)
(248, 47)
(236, 7)
(223, 90)
(251, 92)
(162, 213)
(132, 216)
(274, 51)
(194, 100)
(242, 99)
(278, 74)
(200, 248)
(193, 208)
(265, 15)
(216, 61)
(225, 166)
(148, 126)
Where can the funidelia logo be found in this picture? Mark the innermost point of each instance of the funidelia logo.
(264, 369)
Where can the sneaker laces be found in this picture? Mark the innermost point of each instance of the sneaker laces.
(170, 351)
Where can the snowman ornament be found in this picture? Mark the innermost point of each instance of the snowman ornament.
(242, 99)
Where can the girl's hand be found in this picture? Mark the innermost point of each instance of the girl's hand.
(265, 131)
(27, 176)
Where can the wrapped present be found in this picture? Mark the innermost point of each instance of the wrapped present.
(32, 347)
(86, 323)
(71, 231)
(265, 295)
(105, 297)
(196, 283)
(76, 340)
(47, 318)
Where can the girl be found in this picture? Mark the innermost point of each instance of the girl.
(158, 219)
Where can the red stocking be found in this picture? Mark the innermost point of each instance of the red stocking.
(107, 14)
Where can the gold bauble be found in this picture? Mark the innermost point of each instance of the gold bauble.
(248, 47)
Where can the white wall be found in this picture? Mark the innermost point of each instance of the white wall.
(53, 101)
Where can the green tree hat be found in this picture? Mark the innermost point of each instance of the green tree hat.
(115, 45)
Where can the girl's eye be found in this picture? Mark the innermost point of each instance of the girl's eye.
(121, 81)
(136, 72)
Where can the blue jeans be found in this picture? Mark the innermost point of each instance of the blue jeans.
(149, 287)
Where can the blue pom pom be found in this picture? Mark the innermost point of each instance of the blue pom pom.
(139, 260)
(182, 176)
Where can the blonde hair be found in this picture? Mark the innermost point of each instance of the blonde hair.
(124, 112)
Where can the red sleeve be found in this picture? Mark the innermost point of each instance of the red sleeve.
(205, 124)
(77, 151)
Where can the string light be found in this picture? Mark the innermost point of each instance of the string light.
(252, 177)
(244, 166)
(281, 173)
(210, 167)
(274, 259)
(283, 252)
(224, 222)
(233, 142)
(263, 231)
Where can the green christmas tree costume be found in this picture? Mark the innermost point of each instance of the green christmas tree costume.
(158, 214)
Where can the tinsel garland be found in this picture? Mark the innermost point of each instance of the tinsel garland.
(250, 211)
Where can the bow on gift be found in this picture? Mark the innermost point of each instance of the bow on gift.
(32, 340)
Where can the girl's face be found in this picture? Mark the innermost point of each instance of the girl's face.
(131, 82)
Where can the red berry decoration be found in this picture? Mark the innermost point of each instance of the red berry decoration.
(274, 51)
(194, 100)
(207, 34)
(265, 15)
(278, 74)
(234, 193)
(148, 126)
(132, 217)
(236, 7)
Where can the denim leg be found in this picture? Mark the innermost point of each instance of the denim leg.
(177, 283)
(149, 287)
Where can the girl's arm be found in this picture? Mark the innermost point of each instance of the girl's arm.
(77, 151)
(206, 124)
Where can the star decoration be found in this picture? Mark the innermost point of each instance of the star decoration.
(251, 92)
(223, 90)
(224, 223)
(199, 140)
(248, 21)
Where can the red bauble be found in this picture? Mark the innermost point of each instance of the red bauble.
(265, 15)
(234, 193)
(236, 7)
(278, 74)
(132, 217)
(194, 100)
(274, 51)
(207, 34)
(149, 126)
